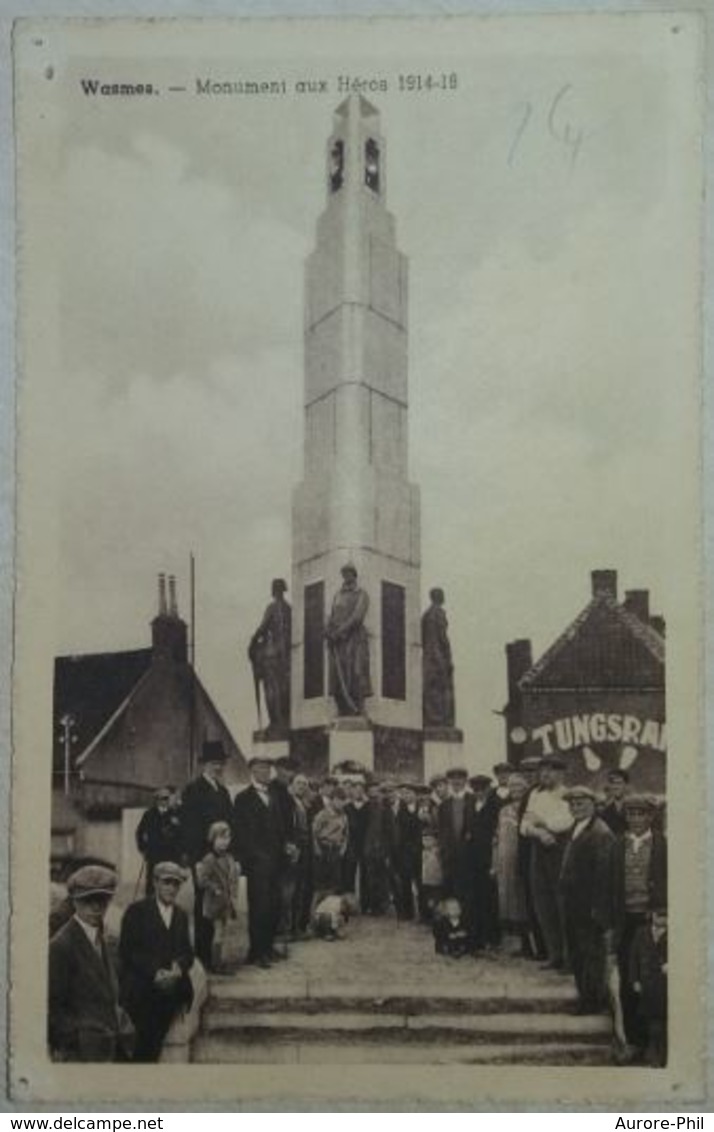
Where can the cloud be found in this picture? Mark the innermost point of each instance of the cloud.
(166, 272)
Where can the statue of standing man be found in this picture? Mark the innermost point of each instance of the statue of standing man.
(348, 645)
(269, 653)
(437, 665)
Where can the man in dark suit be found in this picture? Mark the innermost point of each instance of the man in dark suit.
(587, 892)
(155, 955)
(407, 852)
(640, 885)
(613, 812)
(159, 836)
(84, 1019)
(455, 824)
(377, 852)
(285, 769)
(261, 849)
(353, 869)
(205, 801)
(486, 806)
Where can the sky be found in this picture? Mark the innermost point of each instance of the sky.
(544, 206)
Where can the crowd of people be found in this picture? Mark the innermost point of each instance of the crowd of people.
(515, 865)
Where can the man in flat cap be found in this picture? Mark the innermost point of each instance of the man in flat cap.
(159, 834)
(407, 853)
(502, 771)
(269, 653)
(613, 812)
(205, 801)
(439, 789)
(587, 892)
(455, 826)
(261, 849)
(547, 820)
(641, 885)
(485, 894)
(348, 645)
(85, 1022)
(155, 957)
(534, 945)
(285, 768)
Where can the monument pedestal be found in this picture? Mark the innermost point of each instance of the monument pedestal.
(351, 739)
(271, 745)
(385, 752)
(443, 748)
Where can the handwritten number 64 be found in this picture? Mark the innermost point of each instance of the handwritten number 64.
(559, 125)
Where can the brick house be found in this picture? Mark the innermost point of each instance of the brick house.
(597, 695)
(126, 723)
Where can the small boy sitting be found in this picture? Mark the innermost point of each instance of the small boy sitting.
(330, 918)
(450, 935)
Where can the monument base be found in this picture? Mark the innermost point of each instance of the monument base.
(443, 748)
(385, 752)
(271, 745)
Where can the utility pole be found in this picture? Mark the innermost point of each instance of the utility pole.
(67, 723)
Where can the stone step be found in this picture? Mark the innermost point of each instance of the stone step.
(231, 995)
(343, 1024)
(226, 1049)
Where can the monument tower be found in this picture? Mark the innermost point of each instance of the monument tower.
(355, 503)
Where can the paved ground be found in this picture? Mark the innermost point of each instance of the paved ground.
(383, 958)
(383, 996)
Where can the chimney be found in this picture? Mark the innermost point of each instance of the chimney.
(659, 624)
(519, 658)
(638, 602)
(169, 635)
(604, 582)
(162, 595)
(173, 607)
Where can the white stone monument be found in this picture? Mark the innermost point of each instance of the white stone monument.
(355, 503)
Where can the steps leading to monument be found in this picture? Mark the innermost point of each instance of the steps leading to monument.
(382, 996)
(526, 1029)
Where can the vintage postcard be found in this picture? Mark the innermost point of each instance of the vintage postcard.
(357, 720)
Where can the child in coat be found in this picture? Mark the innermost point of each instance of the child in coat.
(648, 975)
(217, 876)
(450, 935)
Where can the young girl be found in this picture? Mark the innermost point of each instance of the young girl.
(217, 876)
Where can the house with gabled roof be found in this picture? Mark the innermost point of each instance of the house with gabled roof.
(596, 696)
(126, 723)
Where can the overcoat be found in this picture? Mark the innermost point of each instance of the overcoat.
(203, 804)
(147, 946)
(84, 1022)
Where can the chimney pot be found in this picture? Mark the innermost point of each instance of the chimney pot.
(638, 602)
(604, 582)
(162, 595)
(173, 607)
(659, 624)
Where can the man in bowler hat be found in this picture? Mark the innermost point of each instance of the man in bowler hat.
(205, 801)
(156, 955)
(84, 1019)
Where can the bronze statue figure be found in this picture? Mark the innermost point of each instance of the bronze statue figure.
(348, 646)
(269, 653)
(437, 666)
